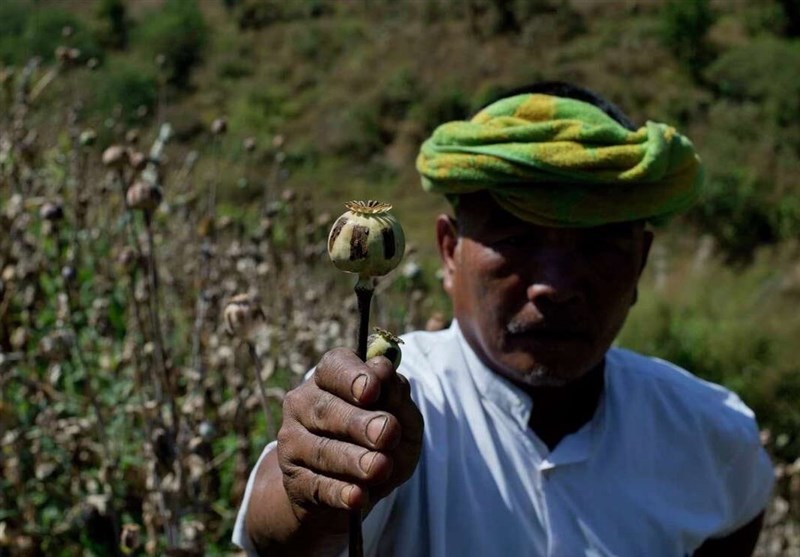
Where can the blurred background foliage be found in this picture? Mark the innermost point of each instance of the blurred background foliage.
(346, 91)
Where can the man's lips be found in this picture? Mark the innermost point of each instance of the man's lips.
(540, 331)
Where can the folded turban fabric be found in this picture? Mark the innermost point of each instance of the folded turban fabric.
(557, 161)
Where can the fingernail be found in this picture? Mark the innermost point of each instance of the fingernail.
(346, 493)
(366, 461)
(375, 428)
(357, 388)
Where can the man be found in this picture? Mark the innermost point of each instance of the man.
(538, 439)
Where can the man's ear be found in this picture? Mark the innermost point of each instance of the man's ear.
(447, 240)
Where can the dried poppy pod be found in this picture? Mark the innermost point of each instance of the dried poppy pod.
(143, 196)
(244, 316)
(219, 126)
(62, 53)
(137, 160)
(366, 240)
(115, 157)
(51, 211)
(383, 343)
(87, 138)
(130, 538)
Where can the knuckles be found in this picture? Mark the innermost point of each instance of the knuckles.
(333, 362)
(322, 408)
(287, 449)
(382, 367)
(293, 402)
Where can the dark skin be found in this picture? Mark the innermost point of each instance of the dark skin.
(349, 437)
(538, 305)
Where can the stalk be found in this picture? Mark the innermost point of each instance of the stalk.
(262, 391)
(364, 289)
(155, 321)
(137, 248)
(368, 241)
(174, 515)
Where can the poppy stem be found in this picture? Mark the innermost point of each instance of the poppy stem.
(364, 289)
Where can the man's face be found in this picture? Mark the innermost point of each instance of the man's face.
(538, 305)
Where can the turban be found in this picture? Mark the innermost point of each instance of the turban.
(557, 161)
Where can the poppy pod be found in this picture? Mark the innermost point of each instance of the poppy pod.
(383, 343)
(87, 138)
(115, 156)
(137, 159)
(130, 538)
(243, 316)
(143, 196)
(366, 240)
(219, 126)
(51, 211)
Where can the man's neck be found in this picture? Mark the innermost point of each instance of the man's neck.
(559, 411)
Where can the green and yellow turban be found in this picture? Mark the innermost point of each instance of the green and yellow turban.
(557, 161)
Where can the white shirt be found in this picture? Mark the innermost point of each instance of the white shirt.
(666, 462)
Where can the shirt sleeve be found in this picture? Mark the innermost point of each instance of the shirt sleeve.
(750, 479)
(240, 536)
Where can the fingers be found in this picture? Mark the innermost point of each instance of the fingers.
(324, 414)
(341, 373)
(305, 487)
(327, 472)
(350, 434)
(337, 459)
(396, 400)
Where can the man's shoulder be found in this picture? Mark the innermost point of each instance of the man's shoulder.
(679, 397)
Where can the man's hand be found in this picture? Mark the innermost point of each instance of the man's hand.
(350, 436)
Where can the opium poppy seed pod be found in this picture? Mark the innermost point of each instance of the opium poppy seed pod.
(366, 240)
(51, 211)
(383, 343)
(143, 196)
(68, 273)
(244, 316)
(87, 138)
(130, 539)
(219, 126)
(137, 159)
(115, 156)
(62, 53)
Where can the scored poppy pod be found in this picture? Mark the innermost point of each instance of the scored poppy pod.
(367, 239)
(244, 316)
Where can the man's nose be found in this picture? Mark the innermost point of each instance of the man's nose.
(554, 280)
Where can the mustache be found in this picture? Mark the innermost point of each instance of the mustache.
(564, 324)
